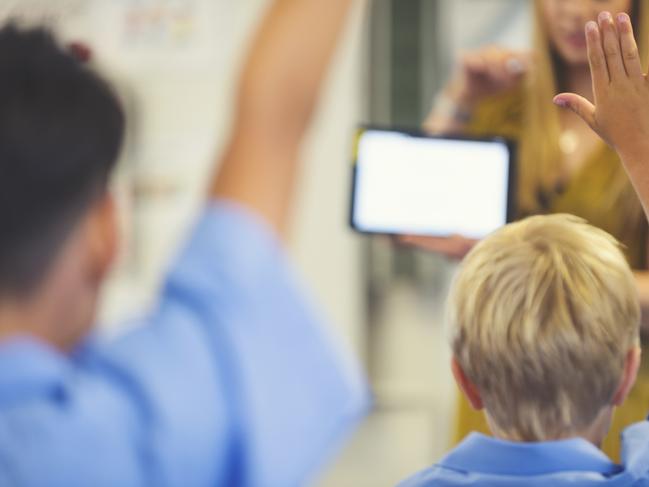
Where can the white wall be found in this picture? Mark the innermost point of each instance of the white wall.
(326, 250)
(475, 23)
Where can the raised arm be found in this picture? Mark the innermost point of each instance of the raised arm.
(620, 114)
(265, 394)
(278, 91)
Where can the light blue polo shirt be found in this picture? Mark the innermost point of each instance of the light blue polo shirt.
(231, 381)
(483, 461)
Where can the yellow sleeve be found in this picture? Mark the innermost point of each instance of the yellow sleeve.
(501, 116)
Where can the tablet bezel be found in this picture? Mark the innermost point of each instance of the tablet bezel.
(512, 172)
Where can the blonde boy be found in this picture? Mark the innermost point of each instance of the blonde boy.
(545, 329)
(544, 322)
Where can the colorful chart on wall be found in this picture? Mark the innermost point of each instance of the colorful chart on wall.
(138, 35)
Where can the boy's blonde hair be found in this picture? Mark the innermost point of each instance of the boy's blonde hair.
(543, 313)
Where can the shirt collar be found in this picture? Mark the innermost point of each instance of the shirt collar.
(28, 365)
(483, 454)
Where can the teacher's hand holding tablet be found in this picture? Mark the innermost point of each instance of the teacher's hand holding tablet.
(480, 74)
(453, 247)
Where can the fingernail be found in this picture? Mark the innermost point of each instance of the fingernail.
(591, 26)
(623, 18)
(605, 16)
(560, 102)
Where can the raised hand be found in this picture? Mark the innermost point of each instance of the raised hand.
(620, 113)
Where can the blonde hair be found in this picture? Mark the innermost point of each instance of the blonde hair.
(542, 315)
(540, 154)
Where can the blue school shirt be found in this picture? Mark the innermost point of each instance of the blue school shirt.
(231, 381)
(483, 461)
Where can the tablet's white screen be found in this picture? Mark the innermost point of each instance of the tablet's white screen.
(423, 186)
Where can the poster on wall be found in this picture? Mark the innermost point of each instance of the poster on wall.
(137, 36)
(161, 35)
(47, 11)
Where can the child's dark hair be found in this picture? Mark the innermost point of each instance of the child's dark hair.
(61, 129)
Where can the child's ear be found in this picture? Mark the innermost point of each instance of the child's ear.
(468, 388)
(103, 235)
(631, 366)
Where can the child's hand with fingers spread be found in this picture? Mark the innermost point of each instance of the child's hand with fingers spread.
(620, 114)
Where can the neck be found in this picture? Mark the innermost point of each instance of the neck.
(594, 433)
(56, 314)
(23, 317)
(60, 309)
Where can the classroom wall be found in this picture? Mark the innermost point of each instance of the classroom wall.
(475, 23)
(174, 64)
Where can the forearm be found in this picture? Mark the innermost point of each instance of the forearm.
(278, 92)
(636, 165)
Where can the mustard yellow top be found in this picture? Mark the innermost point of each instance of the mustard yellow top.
(503, 116)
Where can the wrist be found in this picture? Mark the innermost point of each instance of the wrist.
(634, 156)
(461, 94)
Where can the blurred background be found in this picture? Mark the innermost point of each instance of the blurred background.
(175, 62)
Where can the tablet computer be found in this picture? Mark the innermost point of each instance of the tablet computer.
(410, 183)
